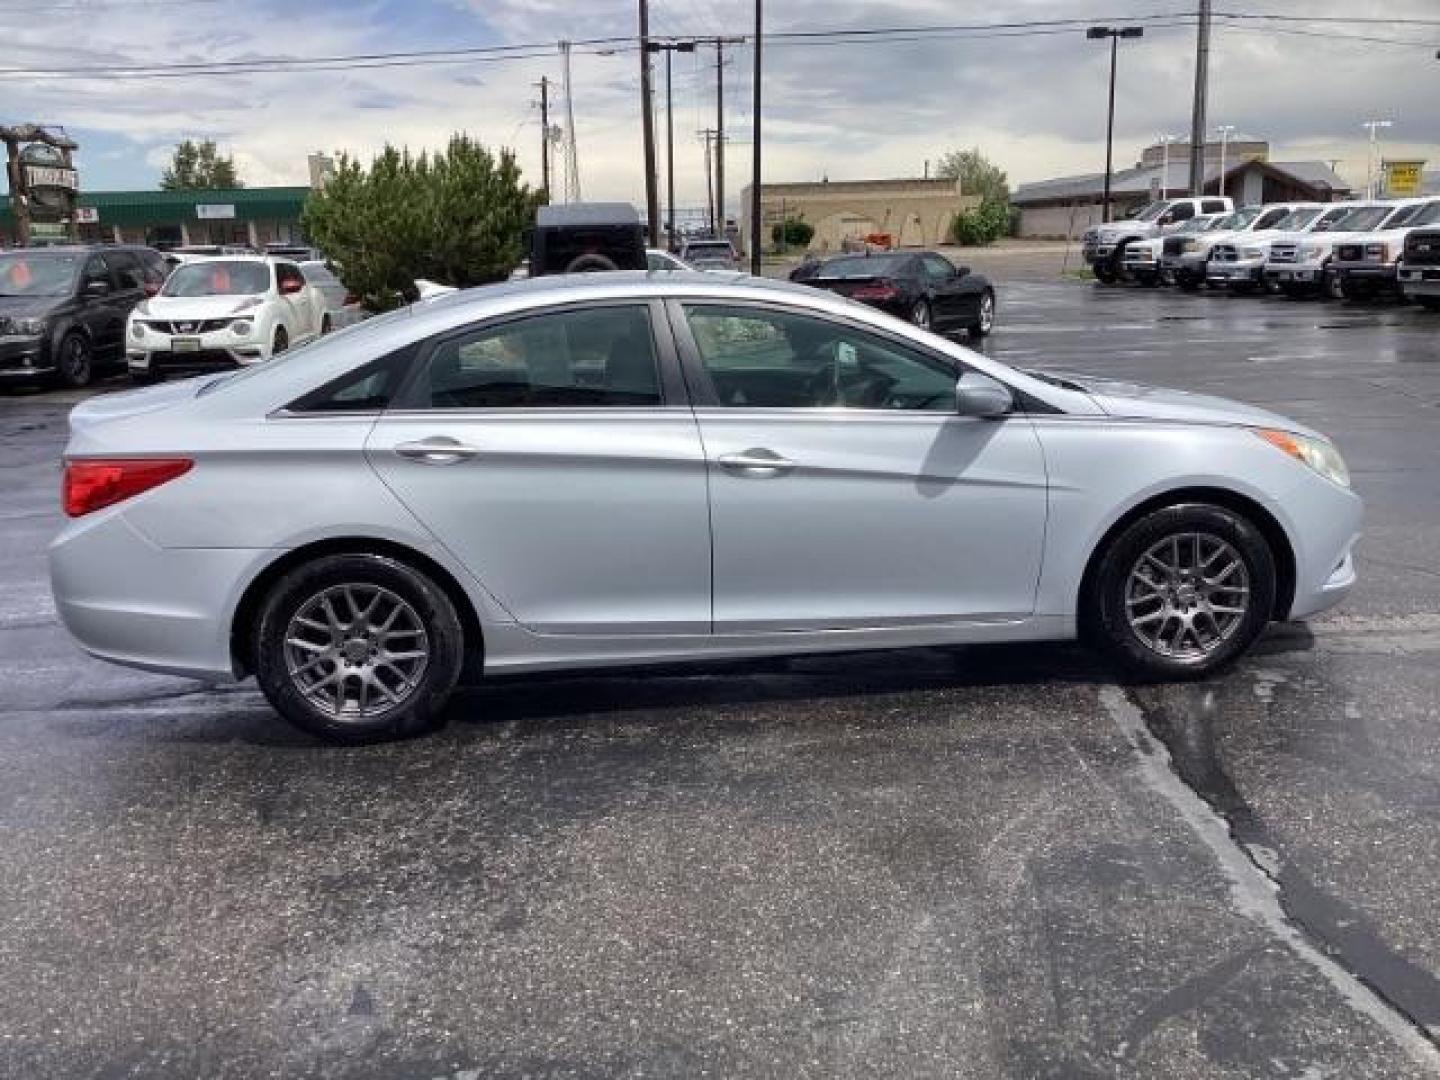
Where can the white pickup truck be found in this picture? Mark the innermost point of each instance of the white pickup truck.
(1299, 263)
(1369, 265)
(1103, 247)
(1222, 249)
(1420, 268)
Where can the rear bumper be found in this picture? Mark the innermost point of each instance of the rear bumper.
(126, 600)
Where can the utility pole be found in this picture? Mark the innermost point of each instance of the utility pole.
(652, 198)
(755, 223)
(720, 43)
(544, 85)
(1202, 93)
(667, 48)
(708, 134)
(1114, 33)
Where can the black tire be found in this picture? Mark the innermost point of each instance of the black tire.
(1242, 288)
(1105, 273)
(281, 341)
(1189, 282)
(74, 363)
(1332, 286)
(325, 326)
(1295, 292)
(419, 709)
(1104, 613)
(591, 264)
(1147, 280)
(922, 316)
(985, 320)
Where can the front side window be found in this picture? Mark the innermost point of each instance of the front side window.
(579, 358)
(766, 359)
(128, 273)
(1212, 206)
(218, 277)
(938, 268)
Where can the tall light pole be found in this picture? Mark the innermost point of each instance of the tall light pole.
(1114, 33)
(652, 198)
(1224, 131)
(1375, 126)
(667, 48)
(755, 151)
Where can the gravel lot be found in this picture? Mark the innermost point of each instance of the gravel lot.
(973, 863)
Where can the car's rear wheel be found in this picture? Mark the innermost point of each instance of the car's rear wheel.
(1181, 592)
(920, 314)
(984, 316)
(75, 364)
(1104, 273)
(358, 649)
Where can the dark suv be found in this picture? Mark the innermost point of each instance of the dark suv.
(63, 309)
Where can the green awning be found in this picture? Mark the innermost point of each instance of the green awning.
(141, 208)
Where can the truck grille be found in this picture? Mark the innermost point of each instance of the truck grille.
(1224, 253)
(1423, 248)
(1283, 252)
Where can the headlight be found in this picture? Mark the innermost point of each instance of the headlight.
(1189, 245)
(27, 327)
(1319, 454)
(240, 328)
(1378, 252)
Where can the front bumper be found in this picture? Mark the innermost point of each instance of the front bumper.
(220, 350)
(1295, 273)
(23, 358)
(1325, 523)
(1187, 262)
(1419, 280)
(1369, 273)
(1240, 272)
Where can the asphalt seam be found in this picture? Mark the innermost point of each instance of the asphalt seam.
(1255, 891)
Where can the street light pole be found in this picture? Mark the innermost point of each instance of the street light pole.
(1224, 131)
(1375, 127)
(1114, 33)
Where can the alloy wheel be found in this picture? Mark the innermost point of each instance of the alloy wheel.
(987, 313)
(1186, 595)
(75, 361)
(920, 315)
(356, 651)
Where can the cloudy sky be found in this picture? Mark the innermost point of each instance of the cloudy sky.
(1032, 102)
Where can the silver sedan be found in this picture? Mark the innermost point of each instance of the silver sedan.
(617, 469)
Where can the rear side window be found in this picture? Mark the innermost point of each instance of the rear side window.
(128, 273)
(577, 358)
(369, 388)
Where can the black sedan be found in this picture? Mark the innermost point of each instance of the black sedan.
(919, 286)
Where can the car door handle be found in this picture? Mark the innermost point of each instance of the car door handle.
(437, 450)
(758, 463)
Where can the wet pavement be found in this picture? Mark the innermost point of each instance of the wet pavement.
(974, 863)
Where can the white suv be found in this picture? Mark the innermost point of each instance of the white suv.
(222, 313)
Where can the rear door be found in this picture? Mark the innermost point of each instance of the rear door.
(554, 454)
(845, 492)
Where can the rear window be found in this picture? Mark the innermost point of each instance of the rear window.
(865, 266)
(710, 247)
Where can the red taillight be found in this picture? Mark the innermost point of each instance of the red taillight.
(99, 482)
(874, 292)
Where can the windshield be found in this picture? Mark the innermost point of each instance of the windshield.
(1297, 219)
(218, 277)
(1239, 219)
(1362, 219)
(1404, 216)
(1196, 225)
(1428, 215)
(31, 273)
(1153, 211)
(864, 266)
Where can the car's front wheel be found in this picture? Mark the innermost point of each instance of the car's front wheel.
(358, 648)
(281, 341)
(1181, 592)
(1105, 273)
(984, 316)
(75, 363)
(920, 314)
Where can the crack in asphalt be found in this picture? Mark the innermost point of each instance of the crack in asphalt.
(1401, 998)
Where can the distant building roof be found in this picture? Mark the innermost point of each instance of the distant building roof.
(1126, 183)
(136, 208)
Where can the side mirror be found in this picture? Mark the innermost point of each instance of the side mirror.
(96, 288)
(981, 396)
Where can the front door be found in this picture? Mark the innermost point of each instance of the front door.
(845, 492)
(950, 304)
(553, 456)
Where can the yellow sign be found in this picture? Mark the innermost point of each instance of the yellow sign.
(1403, 178)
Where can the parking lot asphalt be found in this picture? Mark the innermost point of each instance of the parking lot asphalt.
(970, 863)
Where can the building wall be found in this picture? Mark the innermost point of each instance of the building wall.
(917, 213)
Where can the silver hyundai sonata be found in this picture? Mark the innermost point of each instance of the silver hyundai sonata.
(622, 469)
